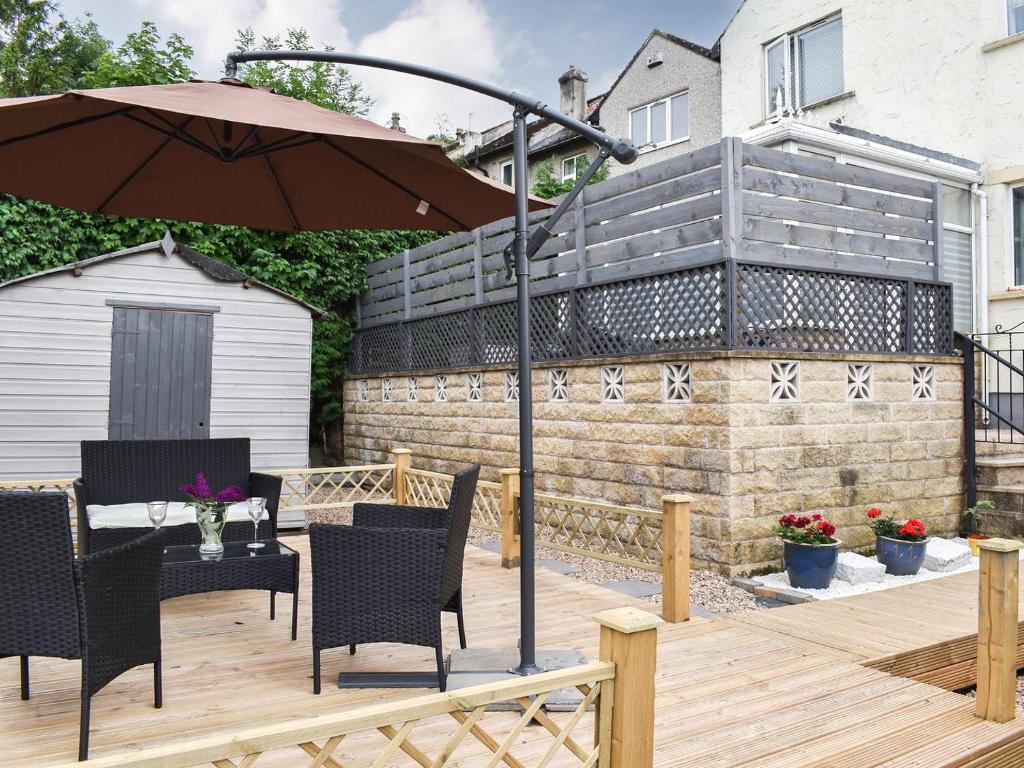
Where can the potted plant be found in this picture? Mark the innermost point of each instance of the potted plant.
(972, 521)
(900, 547)
(810, 550)
(211, 510)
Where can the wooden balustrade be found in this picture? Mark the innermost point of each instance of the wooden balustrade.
(998, 596)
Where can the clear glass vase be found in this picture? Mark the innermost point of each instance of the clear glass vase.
(211, 518)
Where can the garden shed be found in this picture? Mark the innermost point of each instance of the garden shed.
(155, 341)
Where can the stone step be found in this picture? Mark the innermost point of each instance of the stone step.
(1008, 518)
(1001, 470)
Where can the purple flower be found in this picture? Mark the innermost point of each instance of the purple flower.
(231, 494)
(198, 490)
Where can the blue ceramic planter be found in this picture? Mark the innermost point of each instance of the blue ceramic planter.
(809, 566)
(900, 558)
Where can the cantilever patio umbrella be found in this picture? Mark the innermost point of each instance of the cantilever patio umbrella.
(223, 152)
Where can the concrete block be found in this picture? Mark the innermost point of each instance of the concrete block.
(857, 569)
(944, 555)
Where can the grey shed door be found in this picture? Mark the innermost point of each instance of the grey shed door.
(160, 374)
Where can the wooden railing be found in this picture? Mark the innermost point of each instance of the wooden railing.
(613, 725)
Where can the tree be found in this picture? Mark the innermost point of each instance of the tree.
(142, 60)
(42, 52)
(549, 185)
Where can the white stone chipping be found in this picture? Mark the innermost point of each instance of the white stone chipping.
(857, 569)
(845, 589)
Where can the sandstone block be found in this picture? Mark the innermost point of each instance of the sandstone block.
(857, 569)
(944, 555)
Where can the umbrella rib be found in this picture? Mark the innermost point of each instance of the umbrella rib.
(391, 181)
(64, 126)
(276, 146)
(280, 189)
(184, 138)
(128, 180)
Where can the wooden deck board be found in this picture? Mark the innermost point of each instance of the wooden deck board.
(797, 687)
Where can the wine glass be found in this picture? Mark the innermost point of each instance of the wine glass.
(257, 505)
(157, 512)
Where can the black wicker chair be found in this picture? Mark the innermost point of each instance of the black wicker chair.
(389, 576)
(103, 608)
(128, 471)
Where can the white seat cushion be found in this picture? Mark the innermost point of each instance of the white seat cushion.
(136, 515)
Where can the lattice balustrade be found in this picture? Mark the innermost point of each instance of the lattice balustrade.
(625, 535)
(433, 489)
(334, 487)
(814, 311)
(933, 318)
(456, 728)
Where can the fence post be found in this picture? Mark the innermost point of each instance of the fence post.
(998, 580)
(938, 215)
(675, 558)
(629, 638)
(509, 518)
(402, 459)
(406, 286)
(580, 235)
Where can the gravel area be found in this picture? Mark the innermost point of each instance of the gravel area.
(708, 590)
(1020, 692)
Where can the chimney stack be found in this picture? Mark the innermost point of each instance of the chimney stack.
(573, 87)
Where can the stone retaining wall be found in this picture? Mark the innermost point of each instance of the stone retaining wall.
(743, 457)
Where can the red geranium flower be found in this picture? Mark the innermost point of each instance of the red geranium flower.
(874, 512)
(815, 518)
(826, 527)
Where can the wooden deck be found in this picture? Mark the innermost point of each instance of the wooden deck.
(806, 685)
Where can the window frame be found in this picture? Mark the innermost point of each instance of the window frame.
(1010, 31)
(791, 49)
(575, 165)
(667, 101)
(1017, 192)
(511, 174)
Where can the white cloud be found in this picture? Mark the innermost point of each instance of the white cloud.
(455, 35)
(212, 27)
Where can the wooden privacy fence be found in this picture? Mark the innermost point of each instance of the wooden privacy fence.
(612, 727)
(731, 246)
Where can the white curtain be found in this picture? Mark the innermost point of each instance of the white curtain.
(819, 53)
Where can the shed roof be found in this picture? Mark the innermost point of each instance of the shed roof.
(215, 268)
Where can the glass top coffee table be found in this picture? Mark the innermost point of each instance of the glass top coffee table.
(273, 567)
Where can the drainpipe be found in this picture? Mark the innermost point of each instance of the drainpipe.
(981, 281)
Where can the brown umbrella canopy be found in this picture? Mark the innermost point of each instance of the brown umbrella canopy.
(226, 153)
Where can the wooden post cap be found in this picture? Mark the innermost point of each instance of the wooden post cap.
(677, 498)
(401, 450)
(1000, 545)
(628, 620)
(508, 471)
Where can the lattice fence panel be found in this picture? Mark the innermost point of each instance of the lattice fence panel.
(433, 489)
(814, 311)
(334, 487)
(498, 333)
(444, 341)
(381, 348)
(460, 728)
(604, 531)
(660, 313)
(933, 319)
(64, 485)
(551, 326)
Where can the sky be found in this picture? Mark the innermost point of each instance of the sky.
(523, 45)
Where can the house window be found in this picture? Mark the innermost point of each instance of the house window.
(1018, 236)
(506, 173)
(571, 166)
(661, 121)
(804, 67)
(1015, 11)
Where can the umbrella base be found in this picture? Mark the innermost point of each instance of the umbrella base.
(471, 666)
(388, 680)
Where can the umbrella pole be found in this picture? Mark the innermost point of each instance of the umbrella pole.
(527, 594)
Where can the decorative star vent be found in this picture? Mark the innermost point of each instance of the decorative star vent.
(676, 383)
(922, 383)
(860, 382)
(558, 386)
(476, 387)
(364, 391)
(413, 390)
(784, 385)
(511, 387)
(613, 384)
(441, 389)
(385, 390)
